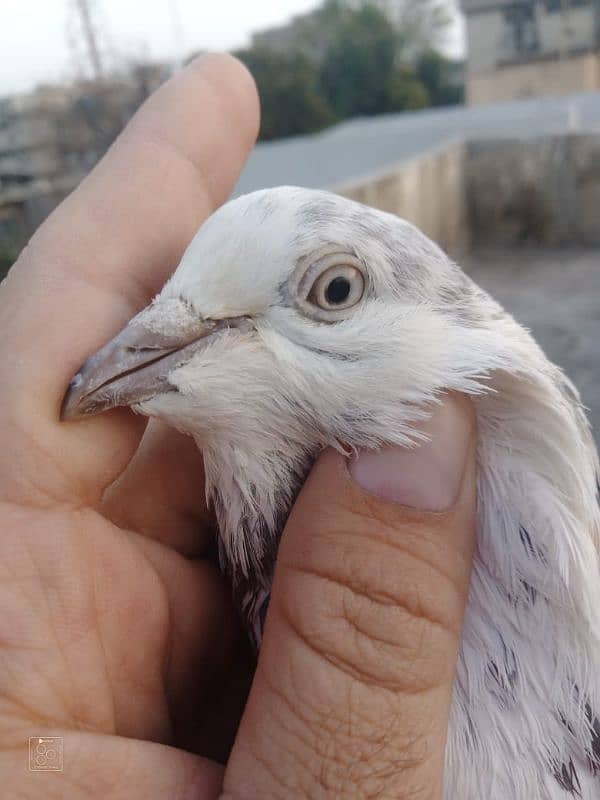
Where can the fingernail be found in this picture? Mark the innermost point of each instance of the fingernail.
(429, 476)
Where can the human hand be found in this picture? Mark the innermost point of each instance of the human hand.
(116, 632)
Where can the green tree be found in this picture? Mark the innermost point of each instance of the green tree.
(349, 58)
(405, 92)
(442, 77)
(359, 63)
(287, 84)
(421, 24)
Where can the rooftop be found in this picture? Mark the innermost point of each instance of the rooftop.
(363, 146)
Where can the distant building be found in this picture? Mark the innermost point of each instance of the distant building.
(51, 137)
(29, 139)
(525, 48)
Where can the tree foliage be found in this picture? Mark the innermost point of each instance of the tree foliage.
(358, 64)
(421, 24)
(350, 58)
(442, 77)
(290, 101)
(405, 92)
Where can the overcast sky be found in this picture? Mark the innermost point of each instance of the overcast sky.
(40, 40)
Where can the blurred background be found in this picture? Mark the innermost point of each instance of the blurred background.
(478, 120)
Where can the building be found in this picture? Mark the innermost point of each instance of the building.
(29, 139)
(51, 137)
(525, 48)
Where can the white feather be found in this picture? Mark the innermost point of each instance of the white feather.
(263, 402)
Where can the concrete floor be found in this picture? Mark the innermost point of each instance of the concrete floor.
(556, 294)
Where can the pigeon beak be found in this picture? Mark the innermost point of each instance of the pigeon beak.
(135, 365)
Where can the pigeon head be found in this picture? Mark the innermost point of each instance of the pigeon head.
(293, 314)
(296, 320)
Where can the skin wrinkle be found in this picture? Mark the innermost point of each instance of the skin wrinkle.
(302, 757)
(361, 756)
(108, 784)
(116, 678)
(296, 711)
(363, 634)
(419, 532)
(113, 714)
(270, 770)
(355, 770)
(168, 656)
(41, 498)
(110, 682)
(329, 762)
(376, 732)
(385, 536)
(59, 644)
(401, 594)
(76, 495)
(70, 702)
(344, 744)
(316, 643)
(377, 598)
(34, 717)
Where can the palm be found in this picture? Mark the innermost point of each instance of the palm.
(139, 634)
(115, 622)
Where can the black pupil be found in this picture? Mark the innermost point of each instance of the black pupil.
(338, 291)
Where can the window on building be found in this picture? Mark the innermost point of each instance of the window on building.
(553, 6)
(522, 22)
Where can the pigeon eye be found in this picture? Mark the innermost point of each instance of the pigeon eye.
(338, 288)
(327, 286)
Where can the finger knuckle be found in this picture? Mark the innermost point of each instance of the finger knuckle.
(372, 608)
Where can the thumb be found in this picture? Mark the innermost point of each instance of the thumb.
(352, 692)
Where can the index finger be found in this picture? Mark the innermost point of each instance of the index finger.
(100, 257)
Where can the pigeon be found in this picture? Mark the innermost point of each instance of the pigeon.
(299, 320)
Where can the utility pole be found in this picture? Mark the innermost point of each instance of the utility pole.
(83, 7)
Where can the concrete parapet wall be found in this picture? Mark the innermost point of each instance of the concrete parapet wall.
(556, 76)
(428, 191)
(542, 191)
(497, 192)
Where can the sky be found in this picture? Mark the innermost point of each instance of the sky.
(40, 40)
